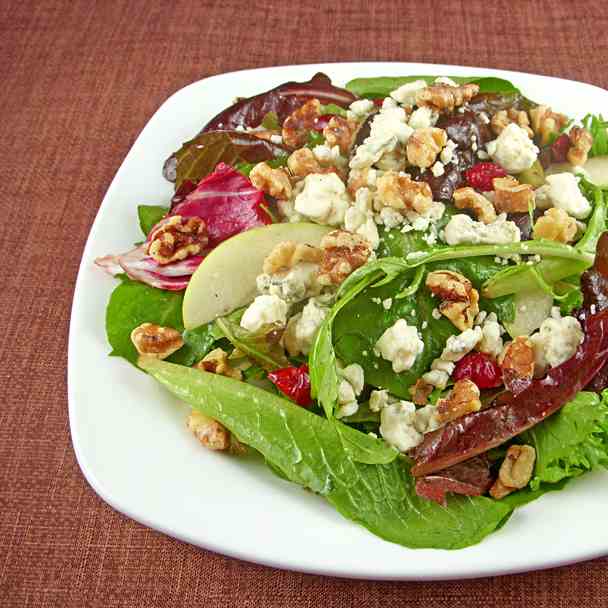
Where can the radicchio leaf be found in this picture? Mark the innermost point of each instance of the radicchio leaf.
(228, 203)
(198, 157)
(477, 433)
(282, 100)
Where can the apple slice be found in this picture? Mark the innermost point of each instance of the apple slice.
(595, 170)
(225, 280)
(532, 307)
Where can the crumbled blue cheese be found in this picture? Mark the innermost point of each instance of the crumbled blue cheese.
(513, 149)
(391, 218)
(359, 218)
(440, 373)
(406, 93)
(303, 327)
(460, 345)
(463, 229)
(361, 108)
(556, 341)
(491, 342)
(264, 310)
(323, 199)
(402, 425)
(447, 153)
(438, 169)
(400, 344)
(423, 118)
(292, 286)
(349, 389)
(562, 191)
(446, 81)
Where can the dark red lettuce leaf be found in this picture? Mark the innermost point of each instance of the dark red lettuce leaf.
(282, 100)
(470, 478)
(509, 416)
(198, 157)
(228, 203)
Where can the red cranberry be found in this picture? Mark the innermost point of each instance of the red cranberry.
(480, 176)
(294, 382)
(480, 369)
(559, 148)
(321, 122)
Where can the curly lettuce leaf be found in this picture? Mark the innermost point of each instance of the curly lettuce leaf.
(307, 449)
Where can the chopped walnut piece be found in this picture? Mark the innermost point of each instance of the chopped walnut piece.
(580, 144)
(156, 341)
(177, 238)
(340, 132)
(274, 182)
(287, 254)
(463, 399)
(512, 197)
(555, 225)
(468, 198)
(443, 97)
(424, 145)
(401, 192)
(300, 122)
(211, 433)
(515, 472)
(302, 162)
(517, 360)
(217, 362)
(546, 123)
(460, 302)
(503, 118)
(420, 391)
(343, 252)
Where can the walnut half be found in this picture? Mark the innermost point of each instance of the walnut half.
(443, 97)
(300, 122)
(217, 362)
(177, 238)
(460, 301)
(424, 145)
(512, 197)
(288, 254)
(274, 182)
(400, 192)
(515, 472)
(580, 144)
(468, 198)
(156, 341)
(343, 253)
(555, 225)
(463, 399)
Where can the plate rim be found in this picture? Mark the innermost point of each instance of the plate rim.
(78, 299)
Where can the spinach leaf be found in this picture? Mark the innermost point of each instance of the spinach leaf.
(200, 340)
(149, 216)
(362, 321)
(307, 449)
(133, 303)
(382, 86)
(573, 441)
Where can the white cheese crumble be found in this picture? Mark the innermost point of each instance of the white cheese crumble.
(556, 341)
(446, 81)
(292, 286)
(491, 342)
(402, 425)
(438, 169)
(264, 310)
(463, 229)
(447, 153)
(323, 199)
(386, 304)
(359, 218)
(362, 107)
(562, 191)
(391, 218)
(513, 149)
(349, 389)
(423, 118)
(460, 345)
(329, 156)
(406, 93)
(400, 344)
(303, 327)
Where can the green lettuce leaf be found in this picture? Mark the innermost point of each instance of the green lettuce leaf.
(307, 449)
(149, 216)
(572, 442)
(382, 86)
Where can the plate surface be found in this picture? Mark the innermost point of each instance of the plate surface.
(130, 437)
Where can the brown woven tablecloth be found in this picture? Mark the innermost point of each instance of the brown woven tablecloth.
(78, 81)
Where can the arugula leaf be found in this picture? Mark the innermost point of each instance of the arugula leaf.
(133, 303)
(149, 216)
(307, 449)
(573, 441)
(275, 163)
(268, 353)
(332, 108)
(598, 127)
(382, 86)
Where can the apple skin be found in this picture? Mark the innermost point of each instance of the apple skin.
(226, 278)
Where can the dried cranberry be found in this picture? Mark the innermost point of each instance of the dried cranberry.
(480, 369)
(480, 176)
(294, 382)
(378, 102)
(559, 149)
(321, 122)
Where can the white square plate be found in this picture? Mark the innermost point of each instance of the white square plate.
(129, 434)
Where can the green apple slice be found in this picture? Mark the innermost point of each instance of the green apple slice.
(595, 170)
(225, 280)
(532, 307)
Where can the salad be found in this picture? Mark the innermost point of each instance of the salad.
(395, 292)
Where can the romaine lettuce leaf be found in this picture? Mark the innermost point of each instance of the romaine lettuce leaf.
(307, 450)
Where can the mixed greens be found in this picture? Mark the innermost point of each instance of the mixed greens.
(396, 293)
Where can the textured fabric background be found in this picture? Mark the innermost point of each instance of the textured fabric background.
(78, 81)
